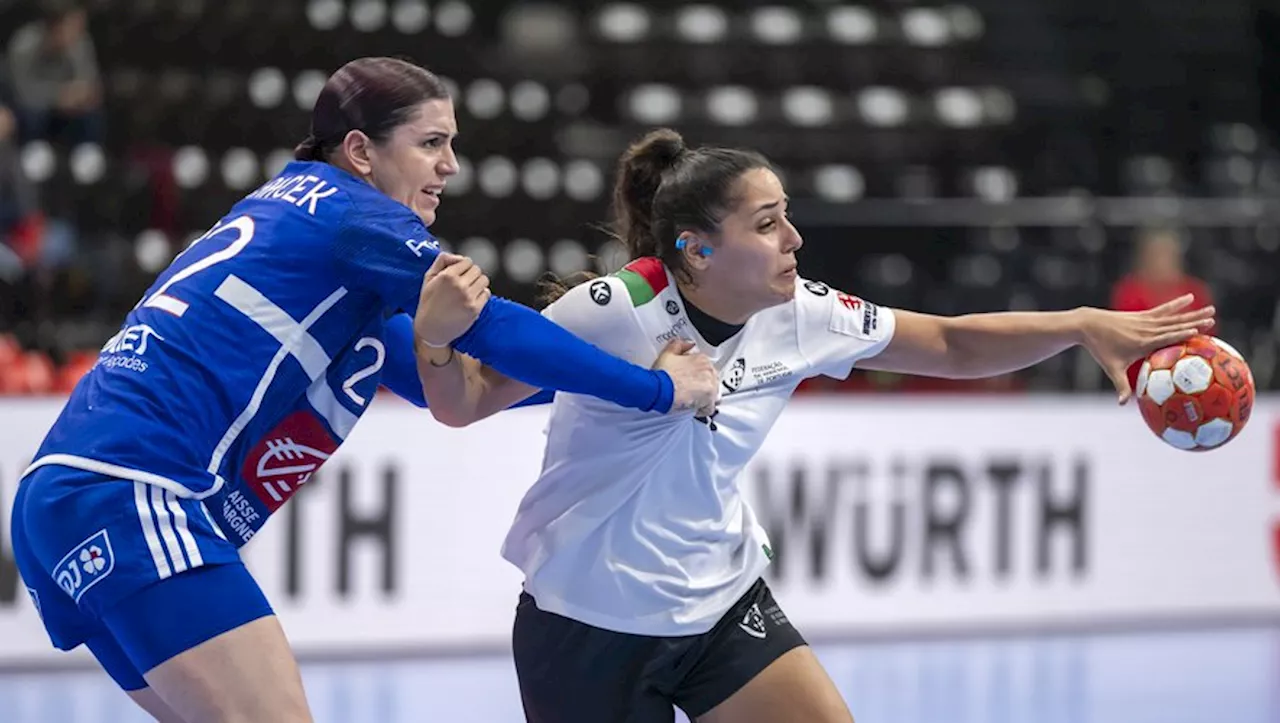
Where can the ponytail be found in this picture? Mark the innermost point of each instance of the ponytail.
(664, 188)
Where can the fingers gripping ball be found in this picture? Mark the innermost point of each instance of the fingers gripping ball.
(1196, 395)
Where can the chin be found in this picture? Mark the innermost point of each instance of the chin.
(428, 216)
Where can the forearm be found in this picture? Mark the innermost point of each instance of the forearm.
(460, 390)
(987, 345)
(519, 343)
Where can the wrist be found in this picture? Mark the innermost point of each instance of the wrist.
(1079, 323)
(436, 356)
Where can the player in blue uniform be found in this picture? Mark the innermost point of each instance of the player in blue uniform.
(262, 344)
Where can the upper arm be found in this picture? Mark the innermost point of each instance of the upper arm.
(835, 330)
(918, 346)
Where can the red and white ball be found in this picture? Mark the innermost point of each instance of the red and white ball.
(1196, 395)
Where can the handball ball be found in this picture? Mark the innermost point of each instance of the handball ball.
(1196, 395)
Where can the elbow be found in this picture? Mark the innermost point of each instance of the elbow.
(452, 419)
(450, 416)
(957, 359)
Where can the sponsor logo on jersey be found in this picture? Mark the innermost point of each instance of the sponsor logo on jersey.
(133, 339)
(737, 372)
(870, 319)
(417, 247)
(855, 317)
(600, 292)
(817, 288)
(85, 566)
(286, 457)
(676, 331)
(672, 307)
(123, 350)
(753, 622)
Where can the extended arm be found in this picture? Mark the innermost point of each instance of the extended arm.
(984, 345)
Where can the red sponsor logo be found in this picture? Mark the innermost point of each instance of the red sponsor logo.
(852, 303)
(286, 457)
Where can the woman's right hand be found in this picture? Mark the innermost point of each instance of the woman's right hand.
(454, 291)
(695, 378)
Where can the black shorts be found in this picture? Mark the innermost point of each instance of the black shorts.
(571, 672)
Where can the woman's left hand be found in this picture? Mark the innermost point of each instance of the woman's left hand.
(1117, 339)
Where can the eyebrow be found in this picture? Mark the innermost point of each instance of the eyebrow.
(771, 204)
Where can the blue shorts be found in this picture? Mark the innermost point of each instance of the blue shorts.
(131, 570)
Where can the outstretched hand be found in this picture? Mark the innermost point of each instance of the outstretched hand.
(1117, 339)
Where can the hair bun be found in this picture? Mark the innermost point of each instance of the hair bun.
(661, 149)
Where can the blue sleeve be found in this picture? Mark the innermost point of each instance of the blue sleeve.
(520, 343)
(400, 371)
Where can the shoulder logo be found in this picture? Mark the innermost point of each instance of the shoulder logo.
(672, 307)
(600, 292)
(417, 247)
(817, 288)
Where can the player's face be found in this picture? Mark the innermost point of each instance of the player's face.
(413, 165)
(754, 262)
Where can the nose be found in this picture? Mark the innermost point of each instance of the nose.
(448, 163)
(793, 241)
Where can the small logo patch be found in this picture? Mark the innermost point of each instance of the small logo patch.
(737, 372)
(86, 565)
(817, 288)
(753, 623)
(672, 307)
(600, 292)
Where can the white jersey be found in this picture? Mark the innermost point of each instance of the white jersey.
(636, 523)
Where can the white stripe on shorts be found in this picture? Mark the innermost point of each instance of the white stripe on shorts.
(165, 522)
(141, 501)
(174, 506)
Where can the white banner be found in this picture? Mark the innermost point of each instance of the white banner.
(887, 516)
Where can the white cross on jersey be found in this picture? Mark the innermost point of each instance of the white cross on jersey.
(636, 523)
(295, 341)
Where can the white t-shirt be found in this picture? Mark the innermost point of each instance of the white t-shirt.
(636, 523)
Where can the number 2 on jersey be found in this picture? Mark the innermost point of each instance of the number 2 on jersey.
(242, 226)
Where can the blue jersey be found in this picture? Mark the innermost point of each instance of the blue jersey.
(253, 355)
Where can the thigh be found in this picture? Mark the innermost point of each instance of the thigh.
(245, 675)
(571, 672)
(753, 655)
(148, 700)
(794, 687)
(113, 659)
(208, 646)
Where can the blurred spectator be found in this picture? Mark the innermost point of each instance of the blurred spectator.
(54, 70)
(19, 212)
(1158, 275)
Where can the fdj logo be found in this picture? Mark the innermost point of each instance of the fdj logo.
(86, 565)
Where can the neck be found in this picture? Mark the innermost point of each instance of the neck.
(722, 310)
